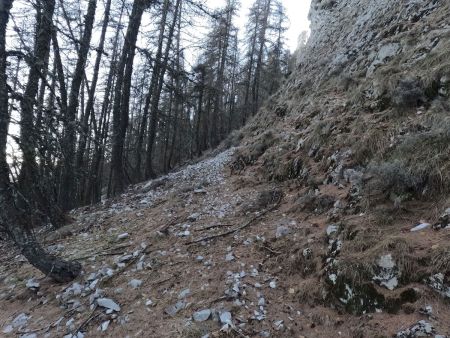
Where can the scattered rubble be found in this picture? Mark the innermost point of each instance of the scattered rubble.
(436, 282)
(444, 221)
(421, 329)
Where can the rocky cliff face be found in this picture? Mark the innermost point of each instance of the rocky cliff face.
(376, 72)
(358, 36)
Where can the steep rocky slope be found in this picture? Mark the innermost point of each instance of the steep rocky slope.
(329, 217)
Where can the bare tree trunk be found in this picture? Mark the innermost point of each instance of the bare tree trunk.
(149, 171)
(5, 7)
(94, 186)
(258, 68)
(218, 104)
(67, 193)
(153, 85)
(121, 99)
(200, 118)
(90, 104)
(250, 70)
(141, 133)
(178, 94)
(60, 74)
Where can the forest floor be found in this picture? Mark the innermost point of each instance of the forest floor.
(202, 253)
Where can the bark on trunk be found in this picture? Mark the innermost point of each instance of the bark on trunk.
(79, 161)
(59, 270)
(121, 98)
(68, 191)
(149, 171)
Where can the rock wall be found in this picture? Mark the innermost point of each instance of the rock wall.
(360, 35)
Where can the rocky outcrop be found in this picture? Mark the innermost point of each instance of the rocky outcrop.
(352, 36)
(365, 112)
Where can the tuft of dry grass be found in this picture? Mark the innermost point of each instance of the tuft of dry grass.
(419, 166)
(249, 154)
(297, 263)
(320, 134)
(440, 261)
(358, 258)
(374, 143)
(310, 291)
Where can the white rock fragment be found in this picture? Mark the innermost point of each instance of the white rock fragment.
(248, 241)
(390, 284)
(145, 201)
(225, 317)
(278, 324)
(104, 325)
(185, 233)
(123, 236)
(333, 278)
(70, 323)
(388, 274)
(184, 293)
(29, 335)
(282, 231)
(8, 329)
(174, 309)
(108, 304)
(254, 272)
(77, 335)
(201, 316)
(32, 284)
(427, 310)
(273, 285)
(193, 217)
(259, 316)
(20, 320)
(93, 284)
(135, 283)
(92, 277)
(125, 258)
(148, 302)
(229, 257)
(331, 229)
(97, 294)
(118, 291)
(109, 272)
(421, 226)
(386, 262)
